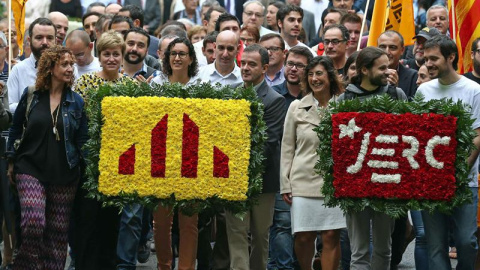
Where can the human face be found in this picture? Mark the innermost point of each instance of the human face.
(246, 38)
(190, 5)
(137, 48)
(81, 51)
(422, 75)
(226, 49)
(476, 59)
(291, 25)
(392, 45)
(378, 73)
(354, 31)
(253, 15)
(113, 9)
(335, 51)
(318, 80)
(232, 26)
(418, 49)
(176, 62)
(121, 27)
(294, 74)
(3, 51)
(43, 36)
(438, 18)
(209, 52)
(252, 69)
(13, 33)
(331, 18)
(98, 9)
(61, 23)
(352, 71)
(63, 69)
(272, 16)
(89, 26)
(275, 52)
(436, 64)
(198, 36)
(343, 4)
(213, 20)
(111, 59)
(163, 48)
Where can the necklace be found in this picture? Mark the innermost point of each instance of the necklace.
(54, 120)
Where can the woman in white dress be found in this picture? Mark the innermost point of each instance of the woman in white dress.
(300, 185)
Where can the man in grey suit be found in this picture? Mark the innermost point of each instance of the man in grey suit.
(151, 13)
(308, 22)
(254, 65)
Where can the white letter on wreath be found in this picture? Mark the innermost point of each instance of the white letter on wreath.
(432, 143)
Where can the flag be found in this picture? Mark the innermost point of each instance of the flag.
(464, 28)
(392, 15)
(18, 9)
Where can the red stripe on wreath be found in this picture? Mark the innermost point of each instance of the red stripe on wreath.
(126, 161)
(159, 148)
(189, 148)
(220, 163)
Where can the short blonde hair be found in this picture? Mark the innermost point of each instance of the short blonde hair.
(195, 30)
(110, 40)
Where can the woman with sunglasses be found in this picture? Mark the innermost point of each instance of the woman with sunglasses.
(179, 66)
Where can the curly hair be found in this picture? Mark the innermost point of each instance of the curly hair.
(336, 87)
(46, 64)
(192, 68)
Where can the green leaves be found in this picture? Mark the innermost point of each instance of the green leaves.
(396, 207)
(204, 90)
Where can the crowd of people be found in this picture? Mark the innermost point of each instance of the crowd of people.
(303, 57)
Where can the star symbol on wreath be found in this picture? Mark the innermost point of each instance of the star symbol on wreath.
(349, 130)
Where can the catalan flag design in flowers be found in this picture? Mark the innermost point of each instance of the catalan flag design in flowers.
(158, 146)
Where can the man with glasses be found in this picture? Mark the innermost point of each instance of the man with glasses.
(475, 74)
(281, 255)
(78, 41)
(336, 40)
(253, 15)
(276, 53)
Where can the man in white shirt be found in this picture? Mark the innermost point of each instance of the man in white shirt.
(441, 58)
(253, 15)
(42, 36)
(78, 41)
(224, 70)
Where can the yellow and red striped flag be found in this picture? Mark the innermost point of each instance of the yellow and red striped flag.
(392, 15)
(18, 8)
(464, 28)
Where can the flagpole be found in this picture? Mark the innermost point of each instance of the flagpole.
(363, 25)
(454, 22)
(10, 49)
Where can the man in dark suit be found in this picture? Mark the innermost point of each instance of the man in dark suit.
(234, 7)
(405, 78)
(254, 65)
(151, 13)
(137, 15)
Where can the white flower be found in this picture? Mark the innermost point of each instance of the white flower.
(349, 130)
(436, 140)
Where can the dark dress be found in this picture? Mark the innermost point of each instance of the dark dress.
(70, 9)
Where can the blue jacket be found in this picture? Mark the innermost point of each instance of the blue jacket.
(74, 123)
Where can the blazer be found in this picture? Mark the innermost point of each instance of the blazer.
(299, 145)
(151, 14)
(274, 116)
(308, 24)
(407, 81)
(238, 8)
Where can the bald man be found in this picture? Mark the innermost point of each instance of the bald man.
(61, 23)
(113, 8)
(78, 41)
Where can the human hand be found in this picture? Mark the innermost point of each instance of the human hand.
(10, 174)
(392, 77)
(287, 197)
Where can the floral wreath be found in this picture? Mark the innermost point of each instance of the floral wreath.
(96, 99)
(394, 156)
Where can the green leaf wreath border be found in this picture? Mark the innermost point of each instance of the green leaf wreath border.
(398, 207)
(204, 90)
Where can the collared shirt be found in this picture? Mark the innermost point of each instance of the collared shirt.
(282, 89)
(197, 19)
(21, 76)
(287, 47)
(277, 79)
(210, 74)
(143, 72)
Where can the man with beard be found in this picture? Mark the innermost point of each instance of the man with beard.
(130, 236)
(42, 36)
(61, 23)
(88, 21)
(281, 255)
(423, 35)
(475, 74)
(79, 43)
(257, 221)
(276, 52)
(441, 58)
(371, 80)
